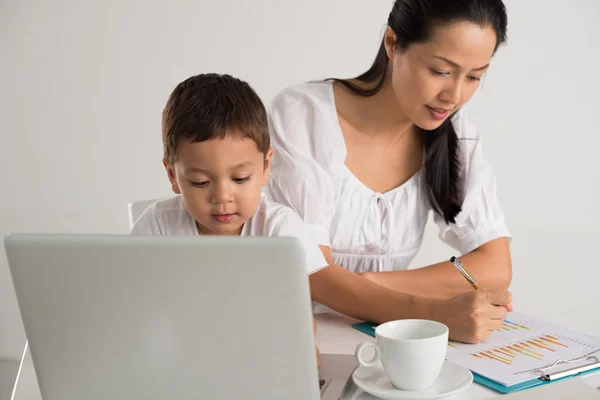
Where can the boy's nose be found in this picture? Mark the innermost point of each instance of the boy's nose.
(222, 194)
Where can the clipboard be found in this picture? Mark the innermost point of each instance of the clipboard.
(544, 379)
(546, 374)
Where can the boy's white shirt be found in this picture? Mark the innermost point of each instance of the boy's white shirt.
(169, 217)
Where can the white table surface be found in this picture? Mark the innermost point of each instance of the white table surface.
(556, 277)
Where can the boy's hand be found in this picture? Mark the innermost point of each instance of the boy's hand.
(316, 348)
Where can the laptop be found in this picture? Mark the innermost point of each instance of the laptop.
(123, 317)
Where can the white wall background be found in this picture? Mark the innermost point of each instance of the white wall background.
(83, 84)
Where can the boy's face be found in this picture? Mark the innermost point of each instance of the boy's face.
(220, 181)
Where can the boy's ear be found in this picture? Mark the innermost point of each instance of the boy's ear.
(268, 157)
(171, 174)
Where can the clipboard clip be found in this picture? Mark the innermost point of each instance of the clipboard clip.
(547, 376)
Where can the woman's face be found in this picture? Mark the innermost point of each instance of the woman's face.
(433, 79)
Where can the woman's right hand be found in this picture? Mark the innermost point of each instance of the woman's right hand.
(472, 316)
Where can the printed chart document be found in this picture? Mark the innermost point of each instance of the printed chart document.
(524, 345)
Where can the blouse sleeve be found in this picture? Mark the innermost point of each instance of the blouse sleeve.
(481, 219)
(287, 223)
(300, 128)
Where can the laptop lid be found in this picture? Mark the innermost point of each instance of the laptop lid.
(125, 317)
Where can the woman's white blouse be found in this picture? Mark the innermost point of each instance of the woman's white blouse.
(366, 230)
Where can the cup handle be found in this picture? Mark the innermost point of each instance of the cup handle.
(361, 360)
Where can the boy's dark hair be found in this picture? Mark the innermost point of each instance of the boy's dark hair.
(211, 106)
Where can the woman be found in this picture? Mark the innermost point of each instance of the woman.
(363, 161)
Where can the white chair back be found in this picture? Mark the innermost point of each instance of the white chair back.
(136, 208)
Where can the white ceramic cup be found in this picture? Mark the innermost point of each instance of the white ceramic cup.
(411, 351)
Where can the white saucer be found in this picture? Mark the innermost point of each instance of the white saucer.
(453, 379)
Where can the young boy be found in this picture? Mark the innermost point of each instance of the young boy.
(217, 155)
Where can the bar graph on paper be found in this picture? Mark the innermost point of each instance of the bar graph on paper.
(512, 326)
(536, 348)
(523, 345)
